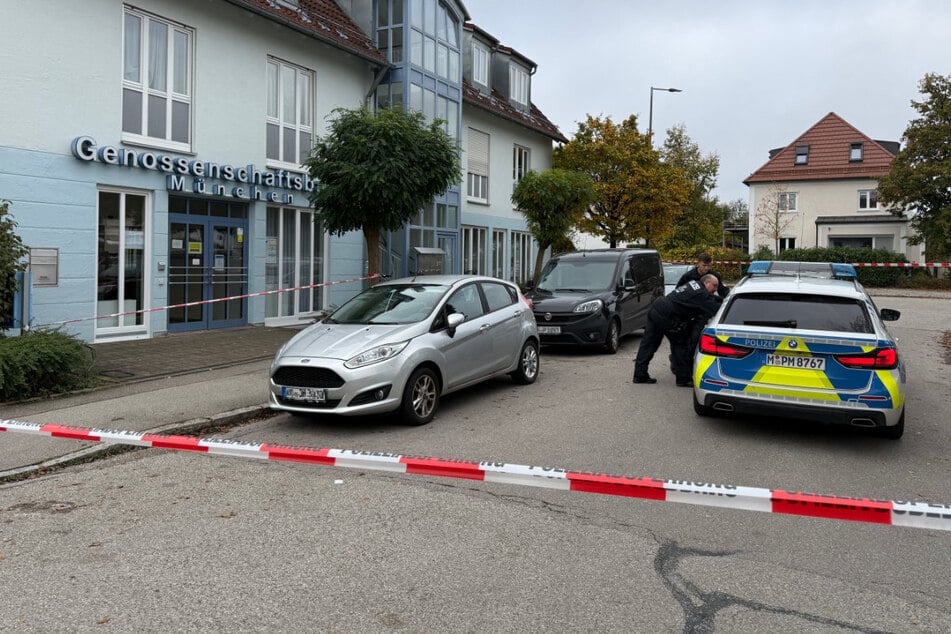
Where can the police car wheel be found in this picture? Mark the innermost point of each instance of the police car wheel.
(701, 410)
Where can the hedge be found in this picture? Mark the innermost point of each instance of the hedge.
(43, 362)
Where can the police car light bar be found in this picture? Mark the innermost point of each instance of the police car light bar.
(834, 270)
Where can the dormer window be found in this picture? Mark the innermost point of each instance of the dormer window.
(518, 84)
(802, 154)
(480, 64)
(856, 152)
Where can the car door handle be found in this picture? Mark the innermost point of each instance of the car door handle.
(483, 327)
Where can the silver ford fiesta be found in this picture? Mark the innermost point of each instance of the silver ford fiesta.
(402, 344)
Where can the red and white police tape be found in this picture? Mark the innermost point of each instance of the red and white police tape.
(914, 265)
(210, 301)
(909, 514)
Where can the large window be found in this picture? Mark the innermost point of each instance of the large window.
(434, 38)
(473, 250)
(289, 126)
(294, 259)
(521, 270)
(477, 177)
(787, 201)
(868, 199)
(121, 257)
(156, 81)
(518, 84)
(498, 253)
(786, 243)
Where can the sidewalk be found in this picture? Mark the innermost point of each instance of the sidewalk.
(168, 384)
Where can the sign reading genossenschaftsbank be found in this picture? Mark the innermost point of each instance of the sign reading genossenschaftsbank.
(178, 168)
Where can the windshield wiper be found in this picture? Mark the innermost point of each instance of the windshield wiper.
(572, 290)
(788, 323)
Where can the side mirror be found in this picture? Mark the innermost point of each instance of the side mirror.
(889, 314)
(453, 321)
(630, 286)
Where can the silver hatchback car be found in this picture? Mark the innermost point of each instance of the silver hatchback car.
(402, 344)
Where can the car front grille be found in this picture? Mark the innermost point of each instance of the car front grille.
(300, 376)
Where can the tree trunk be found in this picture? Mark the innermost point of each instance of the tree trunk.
(372, 236)
(539, 260)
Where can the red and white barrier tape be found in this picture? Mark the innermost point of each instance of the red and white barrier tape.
(914, 265)
(210, 301)
(909, 514)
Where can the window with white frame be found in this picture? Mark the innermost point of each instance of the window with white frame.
(498, 253)
(518, 84)
(480, 64)
(787, 201)
(856, 152)
(520, 162)
(477, 176)
(521, 252)
(868, 199)
(156, 81)
(289, 125)
(802, 154)
(473, 250)
(786, 243)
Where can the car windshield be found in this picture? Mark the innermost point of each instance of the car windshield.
(390, 304)
(791, 310)
(673, 272)
(578, 275)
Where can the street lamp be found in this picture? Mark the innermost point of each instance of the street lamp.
(650, 119)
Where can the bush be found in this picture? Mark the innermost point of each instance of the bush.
(43, 362)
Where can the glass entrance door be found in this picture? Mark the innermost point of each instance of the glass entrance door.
(207, 262)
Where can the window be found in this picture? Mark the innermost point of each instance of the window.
(813, 312)
(121, 260)
(434, 37)
(473, 250)
(520, 163)
(294, 259)
(498, 253)
(498, 295)
(868, 199)
(480, 65)
(289, 125)
(786, 243)
(156, 81)
(521, 270)
(518, 84)
(856, 152)
(467, 301)
(802, 154)
(787, 201)
(477, 178)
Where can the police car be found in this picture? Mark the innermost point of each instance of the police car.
(802, 340)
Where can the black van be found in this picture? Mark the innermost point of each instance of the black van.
(596, 297)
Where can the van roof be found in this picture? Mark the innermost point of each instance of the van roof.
(603, 254)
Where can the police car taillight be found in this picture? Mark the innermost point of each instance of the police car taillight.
(714, 347)
(880, 359)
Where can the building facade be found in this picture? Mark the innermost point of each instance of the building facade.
(155, 165)
(821, 191)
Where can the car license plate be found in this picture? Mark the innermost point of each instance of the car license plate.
(549, 330)
(310, 394)
(796, 361)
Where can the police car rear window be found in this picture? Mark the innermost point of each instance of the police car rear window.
(789, 310)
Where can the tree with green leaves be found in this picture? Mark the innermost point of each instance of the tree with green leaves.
(636, 195)
(374, 172)
(919, 181)
(552, 202)
(12, 259)
(699, 221)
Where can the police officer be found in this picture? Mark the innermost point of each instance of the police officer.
(704, 267)
(675, 316)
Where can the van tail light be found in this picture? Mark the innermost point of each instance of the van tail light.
(714, 347)
(879, 359)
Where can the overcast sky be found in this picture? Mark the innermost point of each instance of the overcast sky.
(755, 74)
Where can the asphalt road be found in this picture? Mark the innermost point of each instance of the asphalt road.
(155, 540)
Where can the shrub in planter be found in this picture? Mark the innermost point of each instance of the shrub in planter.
(43, 362)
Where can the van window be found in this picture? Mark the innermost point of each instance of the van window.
(579, 275)
(645, 267)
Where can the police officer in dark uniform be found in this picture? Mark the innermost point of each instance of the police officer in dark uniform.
(704, 267)
(675, 316)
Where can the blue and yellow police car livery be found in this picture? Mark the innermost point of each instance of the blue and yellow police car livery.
(802, 340)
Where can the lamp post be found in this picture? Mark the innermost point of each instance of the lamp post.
(650, 119)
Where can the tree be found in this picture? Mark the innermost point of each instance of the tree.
(919, 180)
(552, 202)
(636, 196)
(376, 171)
(12, 254)
(699, 221)
(770, 218)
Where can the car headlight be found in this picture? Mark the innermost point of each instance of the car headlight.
(589, 307)
(375, 355)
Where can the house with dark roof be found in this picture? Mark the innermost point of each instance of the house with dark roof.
(154, 154)
(821, 190)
